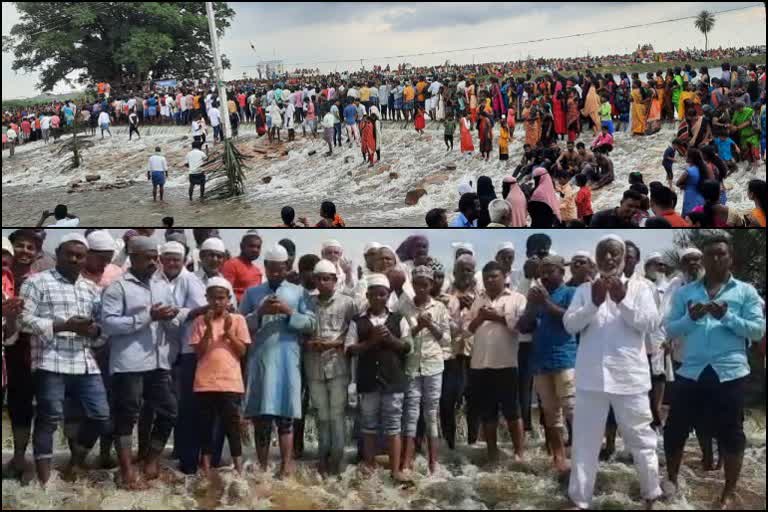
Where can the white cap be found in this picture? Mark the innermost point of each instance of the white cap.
(378, 280)
(276, 253)
(582, 254)
(505, 246)
(463, 245)
(101, 240)
(73, 237)
(7, 246)
(371, 246)
(325, 267)
(615, 238)
(172, 248)
(682, 253)
(218, 282)
(331, 243)
(214, 245)
(654, 256)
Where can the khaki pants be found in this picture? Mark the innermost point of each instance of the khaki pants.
(556, 392)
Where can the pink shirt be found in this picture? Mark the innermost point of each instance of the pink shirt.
(218, 370)
(111, 274)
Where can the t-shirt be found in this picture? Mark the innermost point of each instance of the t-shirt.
(215, 116)
(553, 347)
(605, 112)
(669, 156)
(103, 118)
(408, 93)
(218, 370)
(350, 114)
(66, 223)
(195, 159)
(158, 163)
(242, 275)
(45, 123)
(197, 129)
(724, 148)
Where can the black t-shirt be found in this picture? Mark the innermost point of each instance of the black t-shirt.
(609, 219)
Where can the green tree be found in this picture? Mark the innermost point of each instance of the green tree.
(124, 43)
(705, 22)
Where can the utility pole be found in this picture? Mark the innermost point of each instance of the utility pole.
(220, 85)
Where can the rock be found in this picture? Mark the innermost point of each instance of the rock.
(349, 173)
(349, 159)
(312, 153)
(381, 169)
(284, 153)
(393, 176)
(91, 178)
(450, 167)
(266, 180)
(435, 179)
(260, 151)
(75, 185)
(413, 196)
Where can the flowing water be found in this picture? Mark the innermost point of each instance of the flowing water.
(463, 482)
(33, 179)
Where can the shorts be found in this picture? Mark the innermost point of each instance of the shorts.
(408, 105)
(152, 111)
(383, 410)
(494, 389)
(503, 156)
(557, 393)
(197, 179)
(158, 178)
(398, 103)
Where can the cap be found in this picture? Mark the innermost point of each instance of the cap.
(276, 253)
(371, 246)
(505, 246)
(378, 280)
(682, 253)
(331, 243)
(325, 267)
(139, 244)
(557, 261)
(73, 237)
(654, 256)
(101, 241)
(423, 271)
(218, 282)
(213, 245)
(172, 248)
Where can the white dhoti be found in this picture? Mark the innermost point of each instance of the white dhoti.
(633, 416)
(440, 108)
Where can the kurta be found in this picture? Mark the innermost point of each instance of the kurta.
(273, 387)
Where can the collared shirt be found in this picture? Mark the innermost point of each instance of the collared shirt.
(242, 275)
(721, 344)
(426, 358)
(462, 339)
(460, 221)
(50, 298)
(611, 357)
(137, 343)
(554, 348)
(333, 320)
(111, 274)
(188, 294)
(496, 344)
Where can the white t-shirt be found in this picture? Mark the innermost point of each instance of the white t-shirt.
(195, 159)
(103, 118)
(66, 223)
(158, 163)
(45, 123)
(197, 129)
(215, 116)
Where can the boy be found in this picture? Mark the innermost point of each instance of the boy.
(669, 159)
(725, 147)
(449, 125)
(584, 199)
(221, 340)
(606, 121)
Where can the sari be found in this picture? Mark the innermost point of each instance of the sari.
(558, 110)
(466, 137)
(639, 114)
(485, 133)
(677, 90)
(573, 119)
(653, 123)
(685, 96)
(592, 107)
(532, 126)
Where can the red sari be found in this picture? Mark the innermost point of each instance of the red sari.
(368, 142)
(466, 137)
(418, 120)
(558, 111)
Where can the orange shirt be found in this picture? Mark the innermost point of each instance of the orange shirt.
(408, 93)
(420, 88)
(218, 370)
(196, 102)
(675, 220)
(242, 275)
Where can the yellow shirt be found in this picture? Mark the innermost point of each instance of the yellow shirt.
(365, 94)
(420, 88)
(408, 93)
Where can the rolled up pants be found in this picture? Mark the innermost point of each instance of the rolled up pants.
(633, 415)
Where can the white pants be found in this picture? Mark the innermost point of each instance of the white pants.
(633, 415)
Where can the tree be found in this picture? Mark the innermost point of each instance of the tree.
(705, 22)
(123, 43)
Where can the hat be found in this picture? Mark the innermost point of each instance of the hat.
(371, 246)
(505, 246)
(7, 246)
(73, 237)
(436, 266)
(463, 245)
(378, 280)
(139, 244)
(325, 267)
(252, 232)
(331, 243)
(423, 271)
(557, 261)
(276, 253)
(682, 253)
(172, 248)
(581, 254)
(214, 245)
(654, 256)
(615, 238)
(218, 282)
(101, 241)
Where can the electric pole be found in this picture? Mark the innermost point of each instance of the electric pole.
(220, 85)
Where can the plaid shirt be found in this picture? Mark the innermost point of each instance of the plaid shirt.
(50, 298)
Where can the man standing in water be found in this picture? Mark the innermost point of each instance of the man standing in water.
(717, 316)
(157, 172)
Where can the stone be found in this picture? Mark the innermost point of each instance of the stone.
(312, 153)
(381, 169)
(349, 173)
(413, 196)
(349, 159)
(266, 180)
(91, 178)
(284, 152)
(393, 175)
(450, 167)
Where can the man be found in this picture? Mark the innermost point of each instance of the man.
(104, 121)
(717, 316)
(64, 219)
(332, 251)
(436, 218)
(350, 120)
(214, 115)
(621, 216)
(553, 352)
(581, 266)
(611, 318)
(326, 367)
(493, 368)
(278, 315)
(194, 162)
(133, 125)
(242, 271)
(213, 253)
(469, 212)
(500, 213)
(157, 172)
(137, 315)
(663, 201)
(60, 312)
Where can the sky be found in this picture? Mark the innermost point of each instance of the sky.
(307, 33)
(486, 242)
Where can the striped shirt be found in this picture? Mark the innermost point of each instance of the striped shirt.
(50, 298)
(334, 317)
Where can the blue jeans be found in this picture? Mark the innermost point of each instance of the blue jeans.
(329, 397)
(337, 134)
(51, 391)
(423, 394)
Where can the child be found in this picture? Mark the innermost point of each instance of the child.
(568, 210)
(606, 111)
(503, 140)
(220, 339)
(583, 199)
(449, 126)
(419, 122)
(669, 159)
(380, 339)
(603, 143)
(725, 147)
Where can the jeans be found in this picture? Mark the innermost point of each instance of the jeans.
(51, 390)
(423, 392)
(337, 134)
(525, 384)
(329, 398)
(381, 411)
(156, 390)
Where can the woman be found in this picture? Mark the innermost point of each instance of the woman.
(654, 114)
(485, 133)
(592, 108)
(690, 181)
(503, 140)
(639, 112)
(756, 192)
(485, 193)
(688, 94)
(716, 168)
(573, 117)
(499, 109)
(544, 206)
(472, 100)
(467, 147)
(517, 202)
(558, 110)
(260, 121)
(532, 124)
(548, 134)
(418, 121)
(368, 142)
(678, 85)
(714, 214)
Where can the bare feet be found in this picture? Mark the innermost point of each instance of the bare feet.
(151, 469)
(287, 469)
(401, 478)
(132, 482)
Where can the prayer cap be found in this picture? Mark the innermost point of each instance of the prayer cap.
(252, 232)
(463, 245)
(581, 254)
(557, 261)
(615, 238)
(325, 267)
(423, 271)
(213, 245)
(378, 280)
(139, 244)
(654, 256)
(331, 243)
(73, 237)
(371, 246)
(7, 246)
(505, 246)
(467, 258)
(172, 248)
(218, 282)
(682, 253)
(276, 253)
(101, 241)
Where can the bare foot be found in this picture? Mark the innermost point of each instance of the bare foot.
(151, 470)
(132, 482)
(287, 469)
(401, 478)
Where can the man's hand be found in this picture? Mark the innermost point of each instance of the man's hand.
(160, 312)
(617, 290)
(538, 295)
(599, 291)
(697, 311)
(717, 310)
(81, 326)
(12, 307)
(465, 301)
(346, 266)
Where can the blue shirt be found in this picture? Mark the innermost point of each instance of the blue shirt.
(350, 114)
(461, 222)
(691, 197)
(708, 341)
(553, 348)
(724, 148)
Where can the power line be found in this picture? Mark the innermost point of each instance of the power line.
(50, 24)
(517, 43)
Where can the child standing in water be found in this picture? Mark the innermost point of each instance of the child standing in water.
(419, 122)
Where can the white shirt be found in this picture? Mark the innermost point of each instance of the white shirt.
(611, 356)
(329, 120)
(158, 163)
(215, 116)
(195, 159)
(66, 223)
(103, 118)
(45, 123)
(197, 129)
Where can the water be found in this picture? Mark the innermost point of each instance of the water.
(463, 482)
(33, 179)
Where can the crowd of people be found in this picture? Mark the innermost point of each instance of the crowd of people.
(188, 341)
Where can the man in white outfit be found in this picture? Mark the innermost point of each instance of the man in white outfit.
(611, 318)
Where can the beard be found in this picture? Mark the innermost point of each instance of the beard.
(694, 276)
(617, 271)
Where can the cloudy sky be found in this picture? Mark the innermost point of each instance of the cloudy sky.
(308, 33)
(565, 242)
